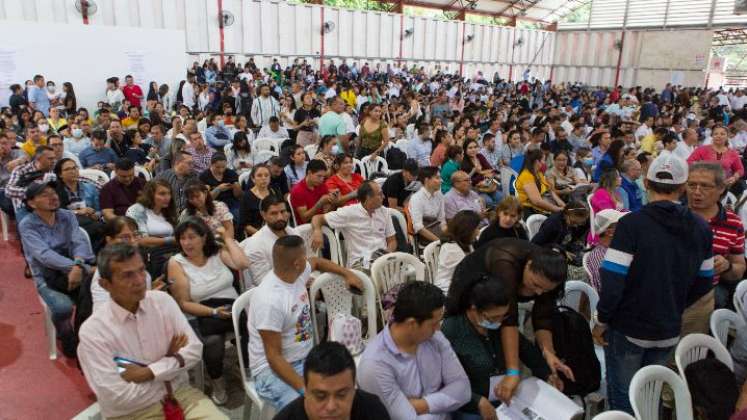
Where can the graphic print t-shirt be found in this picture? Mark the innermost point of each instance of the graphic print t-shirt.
(284, 308)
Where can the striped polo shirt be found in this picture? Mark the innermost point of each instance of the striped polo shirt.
(728, 235)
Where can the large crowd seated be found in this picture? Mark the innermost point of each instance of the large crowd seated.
(380, 241)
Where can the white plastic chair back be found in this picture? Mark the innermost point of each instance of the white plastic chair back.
(49, 329)
(613, 415)
(4, 223)
(311, 150)
(377, 164)
(263, 156)
(279, 143)
(585, 264)
(338, 299)
(264, 144)
(729, 200)
(534, 222)
(94, 175)
(401, 144)
(513, 185)
(359, 168)
(591, 215)
(739, 295)
(645, 393)
(292, 211)
(430, 256)
(244, 177)
(141, 171)
(93, 412)
(402, 222)
(694, 347)
(263, 410)
(88, 238)
(392, 269)
(723, 320)
(573, 291)
(335, 249)
(506, 174)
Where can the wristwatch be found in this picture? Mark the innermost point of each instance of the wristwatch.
(79, 262)
(215, 313)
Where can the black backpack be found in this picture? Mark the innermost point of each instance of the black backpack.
(395, 158)
(713, 388)
(571, 337)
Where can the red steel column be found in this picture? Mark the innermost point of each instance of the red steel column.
(619, 59)
(222, 34)
(321, 50)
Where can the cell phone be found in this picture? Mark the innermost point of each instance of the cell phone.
(123, 362)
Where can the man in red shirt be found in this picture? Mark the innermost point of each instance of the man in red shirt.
(705, 186)
(132, 92)
(310, 196)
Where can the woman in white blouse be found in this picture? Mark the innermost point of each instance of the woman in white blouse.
(461, 232)
(203, 288)
(155, 214)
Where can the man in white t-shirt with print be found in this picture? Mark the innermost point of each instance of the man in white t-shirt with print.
(279, 318)
(366, 226)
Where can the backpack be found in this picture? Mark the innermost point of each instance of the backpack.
(713, 388)
(395, 158)
(573, 344)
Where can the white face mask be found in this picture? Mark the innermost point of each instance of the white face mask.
(43, 128)
(50, 89)
(77, 132)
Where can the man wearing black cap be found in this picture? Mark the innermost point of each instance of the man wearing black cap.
(58, 254)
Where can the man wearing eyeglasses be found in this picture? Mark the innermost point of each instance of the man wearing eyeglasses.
(705, 187)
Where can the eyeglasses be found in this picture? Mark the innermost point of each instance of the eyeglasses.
(692, 186)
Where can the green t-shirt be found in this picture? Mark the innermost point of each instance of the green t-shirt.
(332, 124)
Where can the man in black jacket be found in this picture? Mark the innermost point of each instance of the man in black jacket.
(660, 261)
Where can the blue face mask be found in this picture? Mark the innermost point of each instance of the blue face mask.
(589, 162)
(490, 325)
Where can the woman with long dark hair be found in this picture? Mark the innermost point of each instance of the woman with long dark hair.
(152, 94)
(461, 233)
(612, 159)
(200, 204)
(532, 188)
(70, 102)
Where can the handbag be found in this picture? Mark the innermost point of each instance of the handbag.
(171, 408)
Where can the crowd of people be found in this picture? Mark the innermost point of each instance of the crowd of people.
(644, 186)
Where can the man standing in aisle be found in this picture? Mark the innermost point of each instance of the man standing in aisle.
(660, 261)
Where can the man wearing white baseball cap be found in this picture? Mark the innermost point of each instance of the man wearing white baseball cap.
(659, 262)
(605, 223)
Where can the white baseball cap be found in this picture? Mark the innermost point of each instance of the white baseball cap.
(668, 169)
(605, 218)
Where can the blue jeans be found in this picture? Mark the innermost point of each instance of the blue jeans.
(623, 359)
(60, 305)
(492, 199)
(274, 390)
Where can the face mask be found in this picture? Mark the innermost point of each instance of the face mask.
(490, 325)
(589, 161)
(43, 128)
(50, 89)
(77, 132)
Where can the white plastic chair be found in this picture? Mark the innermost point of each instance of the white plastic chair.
(93, 412)
(739, 297)
(259, 145)
(572, 298)
(4, 222)
(645, 393)
(723, 320)
(88, 238)
(292, 211)
(393, 269)
(513, 185)
(377, 164)
(430, 256)
(259, 409)
(358, 167)
(263, 156)
(311, 150)
(506, 174)
(402, 144)
(139, 170)
(338, 299)
(335, 249)
(50, 330)
(613, 415)
(402, 222)
(694, 347)
(585, 265)
(534, 222)
(729, 200)
(243, 177)
(94, 175)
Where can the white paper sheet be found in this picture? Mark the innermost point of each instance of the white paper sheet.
(536, 400)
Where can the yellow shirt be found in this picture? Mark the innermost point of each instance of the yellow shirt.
(648, 144)
(349, 97)
(56, 125)
(129, 122)
(29, 147)
(524, 178)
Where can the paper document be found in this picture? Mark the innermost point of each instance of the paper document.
(535, 399)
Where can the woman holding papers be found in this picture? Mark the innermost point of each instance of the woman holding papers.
(474, 314)
(528, 273)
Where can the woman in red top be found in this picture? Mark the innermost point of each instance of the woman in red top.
(719, 151)
(344, 183)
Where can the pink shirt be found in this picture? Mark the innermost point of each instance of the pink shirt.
(143, 337)
(603, 200)
(730, 159)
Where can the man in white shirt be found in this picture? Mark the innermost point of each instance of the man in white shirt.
(687, 145)
(258, 247)
(264, 107)
(273, 130)
(739, 141)
(188, 91)
(738, 101)
(279, 321)
(366, 226)
(137, 347)
(426, 206)
(645, 129)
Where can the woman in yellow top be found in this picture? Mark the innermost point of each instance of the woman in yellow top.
(54, 120)
(532, 189)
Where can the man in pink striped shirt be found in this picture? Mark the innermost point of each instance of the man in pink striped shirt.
(139, 344)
